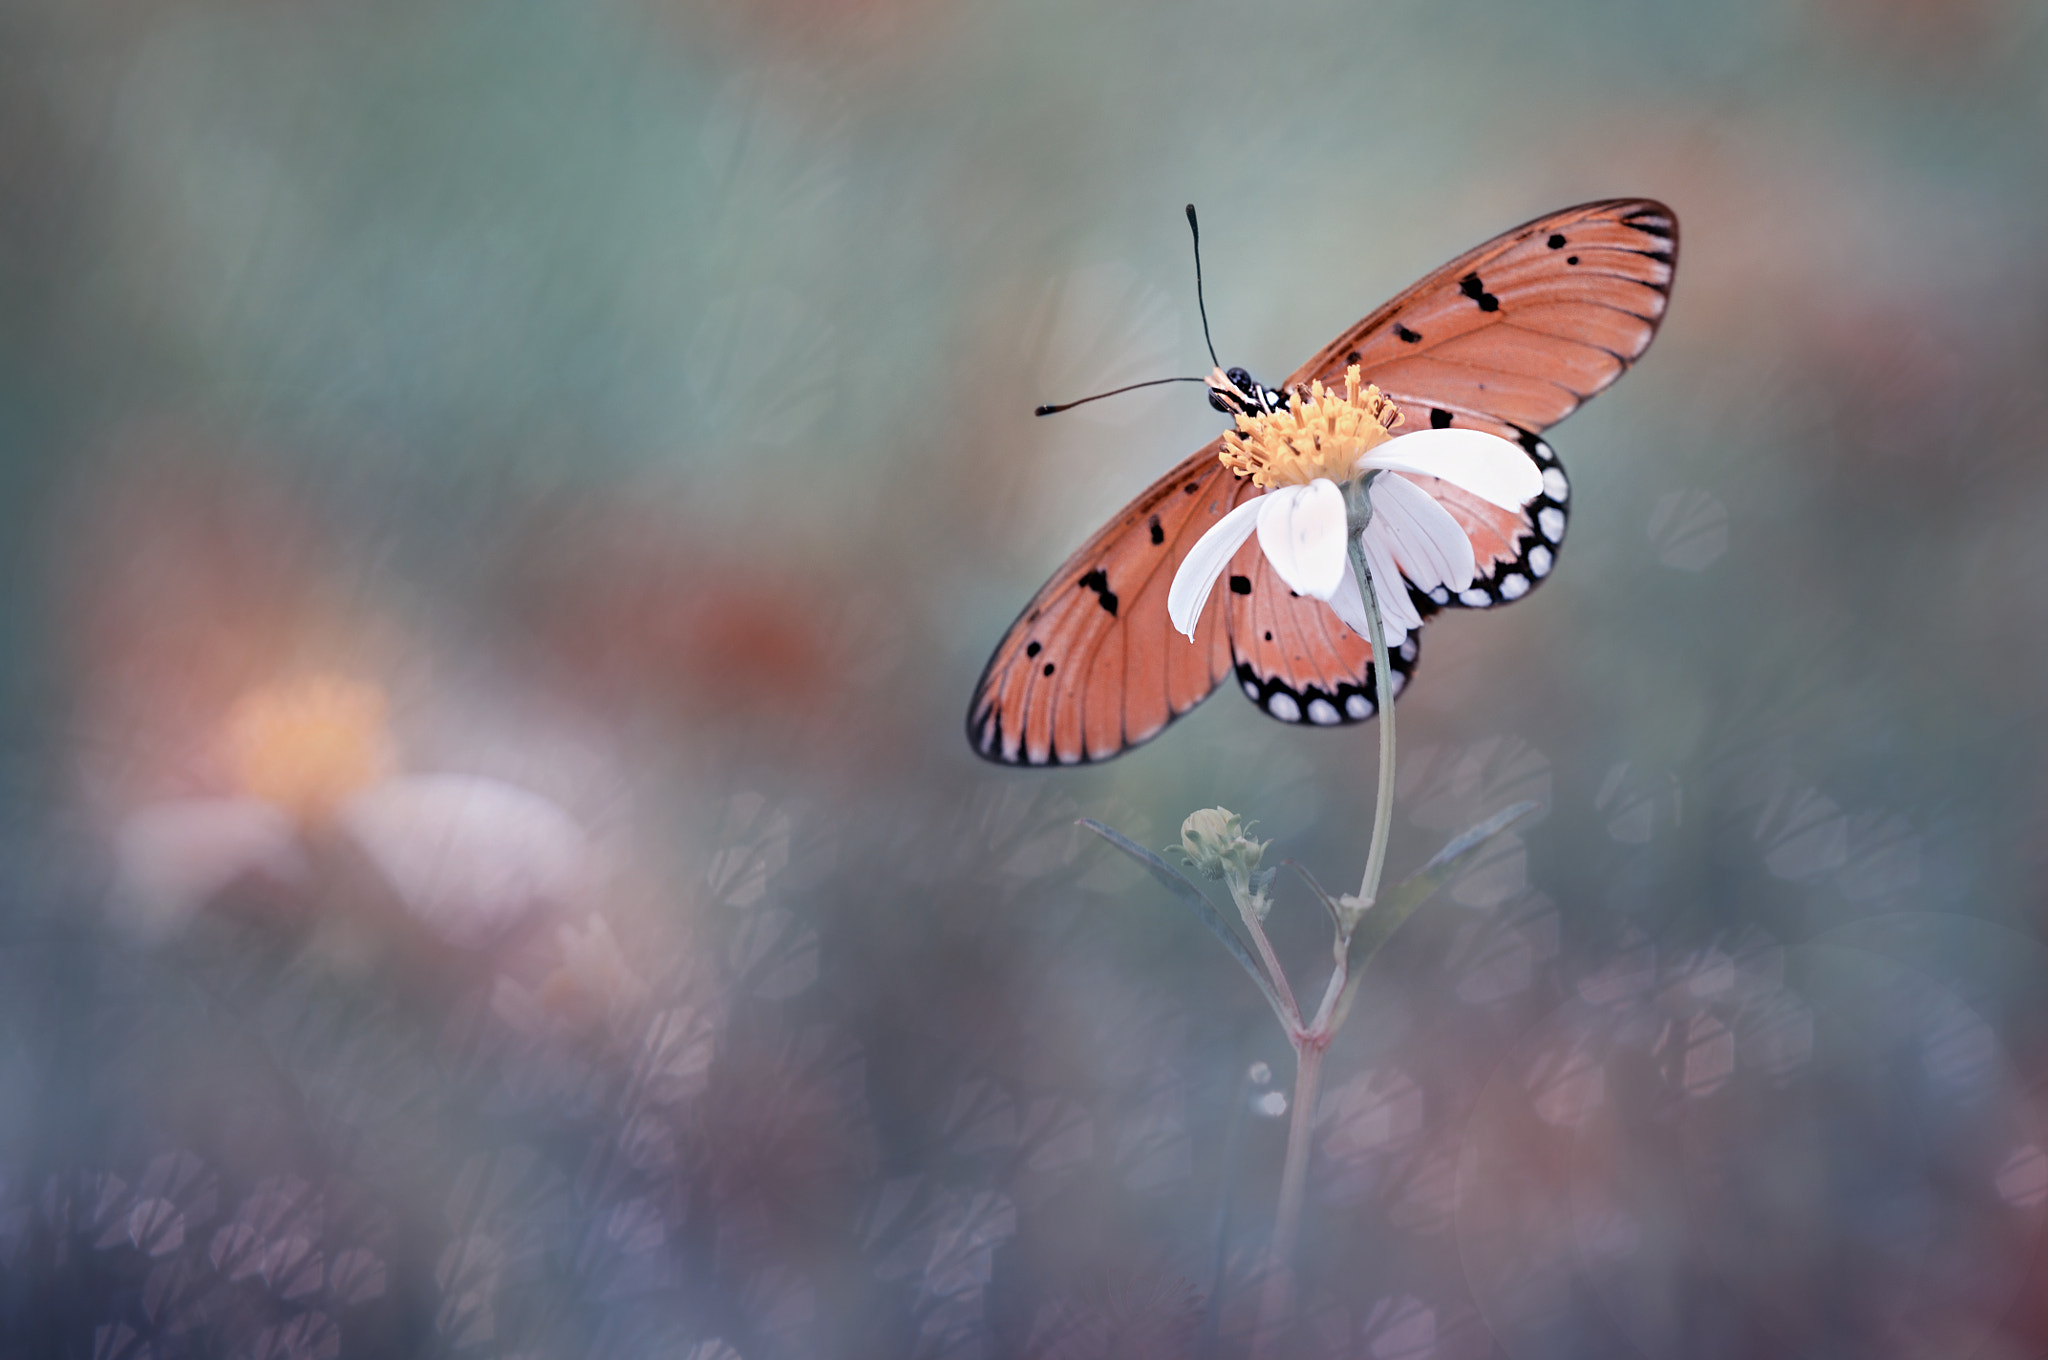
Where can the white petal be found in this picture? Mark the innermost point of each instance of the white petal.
(468, 856)
(1429, 546)
(1397, 611)
(1348, 604)
(1301, 530)
(172, 858)
(1205, 562)
(1484, 464)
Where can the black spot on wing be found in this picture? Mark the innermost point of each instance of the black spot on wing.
(1158, 534)
(1556, 241)
(1472, 288)
(1098, 581)
(1407, 336)
(1034, 649)
(1240, 585)
(1439, 419)
(1048, 668)
(1571, 259)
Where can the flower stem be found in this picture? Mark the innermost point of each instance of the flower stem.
(1291, 1018)
(1383, 682)
(1276, 1302)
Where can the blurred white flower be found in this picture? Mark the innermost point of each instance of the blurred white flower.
(172, 858)
(468, 856)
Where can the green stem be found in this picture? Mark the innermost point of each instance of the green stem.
(1308, 1080)
(1383, 682)
(1276, 1304)
(1240, 893)
(1276, 1298)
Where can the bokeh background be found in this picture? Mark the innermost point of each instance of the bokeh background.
(502, 505)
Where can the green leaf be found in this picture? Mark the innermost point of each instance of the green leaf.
(1322, 894)
(1180, 886)
(1399, 902)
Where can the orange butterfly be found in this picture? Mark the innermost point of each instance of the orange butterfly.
(1507, 339)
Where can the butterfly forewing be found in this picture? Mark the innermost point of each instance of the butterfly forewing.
(1092, 666)
(1509, 338)
(1525, 327)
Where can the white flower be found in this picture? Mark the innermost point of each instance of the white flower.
(1302, 455)
(172, 858)
(469, 856)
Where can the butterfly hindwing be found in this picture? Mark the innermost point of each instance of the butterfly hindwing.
(1292, 657)
(1092, 666)
(1514, 550)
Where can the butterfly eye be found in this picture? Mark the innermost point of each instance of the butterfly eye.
(1245, 399)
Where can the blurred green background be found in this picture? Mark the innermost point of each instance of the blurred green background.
(625, 408)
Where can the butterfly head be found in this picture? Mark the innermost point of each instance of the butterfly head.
(1236, 392)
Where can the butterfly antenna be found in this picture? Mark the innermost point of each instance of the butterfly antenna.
(1196, 228)
(1070, 405)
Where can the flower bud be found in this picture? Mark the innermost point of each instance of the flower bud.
(1215, 843)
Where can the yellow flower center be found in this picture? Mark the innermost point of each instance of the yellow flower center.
(1321, 434)
(307, 744)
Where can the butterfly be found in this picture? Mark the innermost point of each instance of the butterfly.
(1509, 339)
